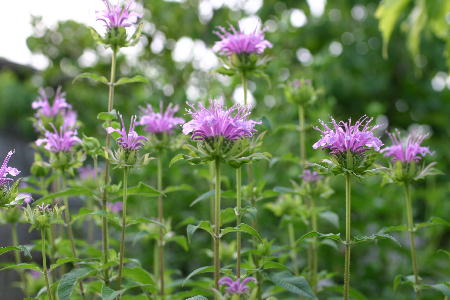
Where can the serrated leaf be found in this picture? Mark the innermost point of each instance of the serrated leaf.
(197, 298)
(374, 237)
(134, 79)
(93, 77)
(143, 189)
(311, 234)
(296, 285)
(22, 249)
(204, 225)
(110, 294)
(138, 275)
(434, 221)
(274, 265)
(68, 281)
(22, 266)
(201, 270)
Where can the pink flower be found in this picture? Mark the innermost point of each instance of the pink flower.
(57, 141)
(130, 140)
(43, 106)
(343, 137)
(5, 170)
(237, 42)
(162, 121)
(407, 150)
(236, 286)
(115, 207)
(118, 15)
(310, 176)
(216, 121)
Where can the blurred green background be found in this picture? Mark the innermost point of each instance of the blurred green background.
(341, 50)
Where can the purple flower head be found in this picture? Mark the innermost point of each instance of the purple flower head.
(236, 287)
(130, 140)
(57, 141)
(27, 199)
(34, 274)
(310, 176)
(216, 121)
(5, 170)
(87, 173)
(406, 150)
(116, 15)
(237, 42)
(162, 121)
(43, 107)
(43, 208)
(115, 207)
(343, 137)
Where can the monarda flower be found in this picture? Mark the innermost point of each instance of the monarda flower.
(238, 286)
(6, 171)
(310, 176)
(59, 141)
(131, 140)
(217, 121)
(407, 150)
(344, 137)
(116, 15)
(239, 42)
(115, 207)
(162, 121)
(58, 107)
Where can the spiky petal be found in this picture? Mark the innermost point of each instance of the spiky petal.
(5, 171)
(344, 137)
(406, 150)
(57, 141)
(162, 121)
(130, 140)
(217, 121)
(237, 286)
(237, 42)
(115, 15)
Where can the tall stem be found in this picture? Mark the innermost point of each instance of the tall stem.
(301, 124)
(238, 220)
(124, 223)
(314, 246)
(217, 225)
(411, 230)
(105, 243)
(347, 236)
(161, 229)
(211, 198)
(15, 242)
(44, 265)
(291, 234)
(68, 221)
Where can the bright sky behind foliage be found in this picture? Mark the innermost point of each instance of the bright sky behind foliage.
(16, 26)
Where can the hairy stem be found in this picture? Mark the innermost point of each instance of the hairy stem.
(44, 265)
(105, 234)
(347, 236)
(293, 252)
(161, 229)
(301, 125)
(238, 220)
(211, 199)
(217, 225)
(411, 230)
(68, 224)
(124, 224)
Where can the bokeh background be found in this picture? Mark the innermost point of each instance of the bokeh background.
(336, 44)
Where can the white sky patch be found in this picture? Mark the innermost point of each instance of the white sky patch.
(250, 24)
(335, 48)
(298, 18)
(438, 82)
(317, 7)
(238, 96)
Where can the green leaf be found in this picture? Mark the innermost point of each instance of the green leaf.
(225, 71)
(274, 265)
(107, 116)
(296, 285)
(96, 36)
(110, 294)
(354, 294)
(22, 249)
(143, 220)
(68, 281)
(177, 188)
(180, 240)
(374, 237)
(284, 190)
(134, 79)
(434, 221)
(388, 13)
(201, 270)
(197, 298)
(175, 159)
(330, 217)
(136, 35)
(202, 197)
(73, 191)
(93, 77)
(397, 281)
(62, 261)
(143, 189)
(417, 20)
(311, 234)
(22, 266)
(394, 228)
(441, 287)
(138, 275)
(243, 228)
(205, 225)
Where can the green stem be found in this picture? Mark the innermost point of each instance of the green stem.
(44, 265)
(68, 224)
(15, 242)
(411, 230)
(217, 225)
(161, 229)
(238, 219)
(244, 86)
(347, 236)
(314, 247)
(124, 223)
(211, 199)
(301, 124)
(291, 233)
(51, 232)
(91, 223)
(105, 234)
